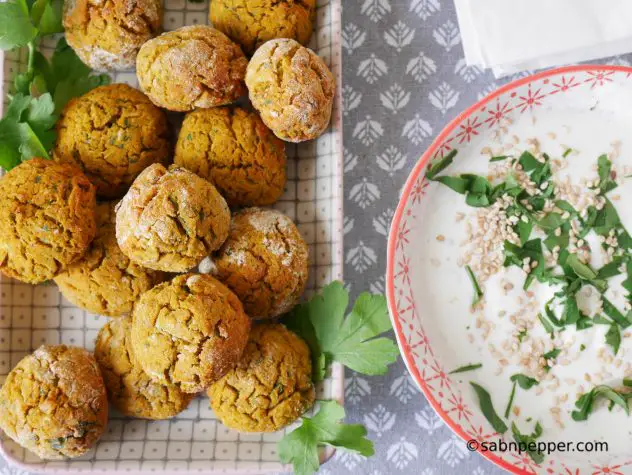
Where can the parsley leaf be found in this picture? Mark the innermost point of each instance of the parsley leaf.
(467, 367)
(478, 293)
(437, 166)
(529, 440)
(582, 270)
(488, 410)
(613, 338)
(525, 382)
(585, 403)
(604, 167)
(16, 29)
(300, 447)
(351, 340)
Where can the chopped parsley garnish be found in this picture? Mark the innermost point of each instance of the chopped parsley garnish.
(613, 338)
(485, 402)
(585, 403)
(512, 395)
(529, 440)
(467, 367)
(478, 293)
(525, 382)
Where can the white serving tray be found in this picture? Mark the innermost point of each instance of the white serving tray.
(194, 441)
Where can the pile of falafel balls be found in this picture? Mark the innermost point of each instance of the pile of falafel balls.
(135, 229)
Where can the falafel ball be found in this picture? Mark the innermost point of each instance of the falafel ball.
(107, 34)
(292, 89)
(264, 261)
(189, 331)
(46, 219)
(54, 402)
(270, 387)
(170, 219)
(252, 23)
(233, 149)
(129, 388)
(112, 133)
(104, 281)
(193, 66)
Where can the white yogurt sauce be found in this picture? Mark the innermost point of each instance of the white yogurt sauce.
(446, 294)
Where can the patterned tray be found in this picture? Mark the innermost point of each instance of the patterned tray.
(194, 441)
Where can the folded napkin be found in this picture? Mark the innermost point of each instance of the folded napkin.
(510, 36)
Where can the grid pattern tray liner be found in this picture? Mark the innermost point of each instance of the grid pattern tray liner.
(194, 441)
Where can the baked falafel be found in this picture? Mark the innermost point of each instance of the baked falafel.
(54, 402)
(270, 387)
(129, 388)
(193, 66)
(46, 219)
(233, 149)
(170, 219)
(107, 34)
(105, 281)
(264, 261)
(252, 23)
(112, 133)
(292, 89)
(189, 331)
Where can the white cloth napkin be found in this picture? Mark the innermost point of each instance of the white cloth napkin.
(510, 36)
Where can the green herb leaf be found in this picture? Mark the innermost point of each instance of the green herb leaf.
(16, 29)
(525, 382)
(485, 401)
(551, 222)
(550, 355)
(585, 403)
(613, 338)
(352, 340)
(458, 184)
(300, 447)
(512, 395)
(498, 158)
(604, 167)
(478, 293)
(611, 311)
(468, 367)
(582, 270)
(529, 439)
(611, 269)
(437, 166)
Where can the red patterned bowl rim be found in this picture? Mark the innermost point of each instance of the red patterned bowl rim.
(430, 152)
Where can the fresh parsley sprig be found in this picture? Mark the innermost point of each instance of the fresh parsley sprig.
(352, 341)
(300, 447)
(40, 93)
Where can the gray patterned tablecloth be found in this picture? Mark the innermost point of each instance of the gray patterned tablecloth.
(404, 79)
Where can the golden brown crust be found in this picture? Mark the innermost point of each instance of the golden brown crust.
(193, 66)
(234, 150)
(54, 402)
(105, 281)
(46, 219)
(270, 387)
(253, 22)
(170, 219)
(264, 261)
(130, 389)
(107, 34)
(189, 331)
(292, 89)
(112, 133)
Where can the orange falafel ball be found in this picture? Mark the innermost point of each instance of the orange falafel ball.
(233, 149)
(193, 66)
(47, 219)
(105, 281)
(253, 22)
(107, 34)
(54, 402)
(264, 261)
(189, 331)
(270, 387)
(112, 133)
(292, 88)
